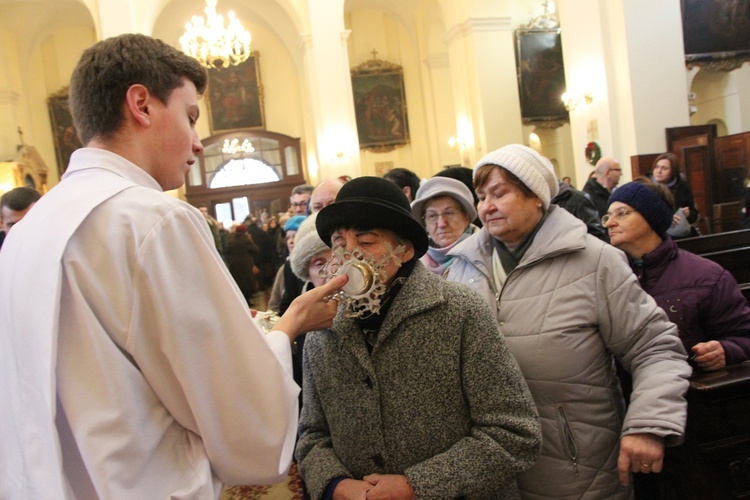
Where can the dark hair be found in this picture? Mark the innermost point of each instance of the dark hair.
(302, 189)
(463, 174)
(663, 191)
(482, 176)
(109, 68)
(674, 164)
(19, 198)
(403, 177)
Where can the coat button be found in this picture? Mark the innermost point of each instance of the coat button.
(368, 383)
(378, 460)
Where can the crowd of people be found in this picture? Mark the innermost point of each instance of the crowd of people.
(453, 337)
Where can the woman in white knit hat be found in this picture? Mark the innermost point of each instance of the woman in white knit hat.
(566, 303)
(309, 255)
(445, 207)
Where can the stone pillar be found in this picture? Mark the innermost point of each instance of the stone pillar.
(629, 55)
(482, 60)
(328, 76)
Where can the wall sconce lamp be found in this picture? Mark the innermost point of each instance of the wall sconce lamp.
(571, 102)
(454, 142)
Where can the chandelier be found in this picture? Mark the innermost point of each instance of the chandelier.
(211, 44)
(234, 147)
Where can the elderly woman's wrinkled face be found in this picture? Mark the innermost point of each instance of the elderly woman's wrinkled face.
(375, 242)
(507, 213)
(316, 264)
(444, 220)
(662, 171)
(627, 228)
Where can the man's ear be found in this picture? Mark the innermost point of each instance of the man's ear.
(137, 100)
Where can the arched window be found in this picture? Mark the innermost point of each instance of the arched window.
(244, 172)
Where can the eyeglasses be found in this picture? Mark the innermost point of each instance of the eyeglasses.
(617, 215)
(299, 203)
(616, 169)
(448, 216)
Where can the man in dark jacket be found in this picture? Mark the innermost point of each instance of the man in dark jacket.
(600, 185)
(579, 204)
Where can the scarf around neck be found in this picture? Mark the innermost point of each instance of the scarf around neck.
(437, 259)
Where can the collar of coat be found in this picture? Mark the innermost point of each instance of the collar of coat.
(561, 233)
(421, 291)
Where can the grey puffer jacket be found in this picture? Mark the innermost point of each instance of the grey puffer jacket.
(571, 304)
(440, 399)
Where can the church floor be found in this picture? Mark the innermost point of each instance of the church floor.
(291, 489)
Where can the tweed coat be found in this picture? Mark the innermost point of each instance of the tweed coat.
(440, 399)
(570, 305)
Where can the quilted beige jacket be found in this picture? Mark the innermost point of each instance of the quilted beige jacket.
(570, 305)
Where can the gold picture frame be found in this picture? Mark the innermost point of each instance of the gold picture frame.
(64, 133)
(234, 97)
(380, 105)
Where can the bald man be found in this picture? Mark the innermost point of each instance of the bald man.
(324, 194)
(599, 187)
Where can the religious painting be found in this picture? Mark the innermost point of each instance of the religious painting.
(64, 133)
(716, 31)
(541, 75)
(380, 106)
(235, 96)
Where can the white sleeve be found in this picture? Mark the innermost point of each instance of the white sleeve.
(196, 343)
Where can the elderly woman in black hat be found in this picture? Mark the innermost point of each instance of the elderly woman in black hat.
(446, 208)
(699, 296)
(567, 303)
(412, 391)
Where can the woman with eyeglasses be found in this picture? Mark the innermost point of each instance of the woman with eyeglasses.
(445, 207)
(699, 296)
(567, 304)
(666, 171)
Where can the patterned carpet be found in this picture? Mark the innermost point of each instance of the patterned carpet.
(291, 489)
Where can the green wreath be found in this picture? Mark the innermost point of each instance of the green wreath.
(593, 153)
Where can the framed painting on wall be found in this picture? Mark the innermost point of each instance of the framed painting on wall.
(64, 133)
(235, 97)
(380, 106)
(541, 75)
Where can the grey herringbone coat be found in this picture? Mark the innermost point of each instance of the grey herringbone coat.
(440, 399)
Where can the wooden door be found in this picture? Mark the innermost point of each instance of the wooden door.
(697, 169)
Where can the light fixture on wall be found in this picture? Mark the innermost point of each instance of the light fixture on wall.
(213, 45)
(455, 142)
(571, 102)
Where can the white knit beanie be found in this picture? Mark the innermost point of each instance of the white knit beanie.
(533, 169)
(307, 244)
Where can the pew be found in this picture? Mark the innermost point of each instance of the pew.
(714, 460)
(730, 250)
(700, 245)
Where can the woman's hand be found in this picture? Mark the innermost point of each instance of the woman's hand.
(709, 355)
(686, 211)
(640, 453)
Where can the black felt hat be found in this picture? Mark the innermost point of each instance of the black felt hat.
(372, 203)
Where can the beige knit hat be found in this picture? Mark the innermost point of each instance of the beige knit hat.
(533, 169)
(307, 244)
